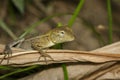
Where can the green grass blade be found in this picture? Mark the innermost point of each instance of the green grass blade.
(70, 23)
(19, 5)
(6, 28)
(76, 12)
(65, 72)
(18, 71)
(5, 68)
(109, 20)
(38, 23)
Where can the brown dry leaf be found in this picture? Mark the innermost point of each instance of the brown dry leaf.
(80, 70)
(25, 58)
(84, 71)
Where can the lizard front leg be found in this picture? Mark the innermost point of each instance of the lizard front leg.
(7, 52)
(36, 45)
(44, 55)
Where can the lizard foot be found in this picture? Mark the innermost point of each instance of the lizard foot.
(7, 53)
(44, 55)
(7, 50)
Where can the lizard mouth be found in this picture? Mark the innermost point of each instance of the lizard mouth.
(71, 38)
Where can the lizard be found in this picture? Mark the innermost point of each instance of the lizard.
(57, 35)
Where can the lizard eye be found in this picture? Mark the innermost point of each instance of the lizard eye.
(62, 32)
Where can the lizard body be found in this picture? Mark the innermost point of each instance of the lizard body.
(54, 36)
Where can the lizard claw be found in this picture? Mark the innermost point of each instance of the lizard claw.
(7, 50)
(44, 55)
(7, 53)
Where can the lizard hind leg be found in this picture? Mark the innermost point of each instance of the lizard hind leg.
(44, 55)
(7, 50)
(7, 53)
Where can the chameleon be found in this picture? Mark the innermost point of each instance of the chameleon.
(57, 35)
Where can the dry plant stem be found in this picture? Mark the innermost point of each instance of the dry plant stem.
(26, 58)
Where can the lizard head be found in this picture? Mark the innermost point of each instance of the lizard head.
(62, 34)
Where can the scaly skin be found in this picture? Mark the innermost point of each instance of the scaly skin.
(53, 37)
